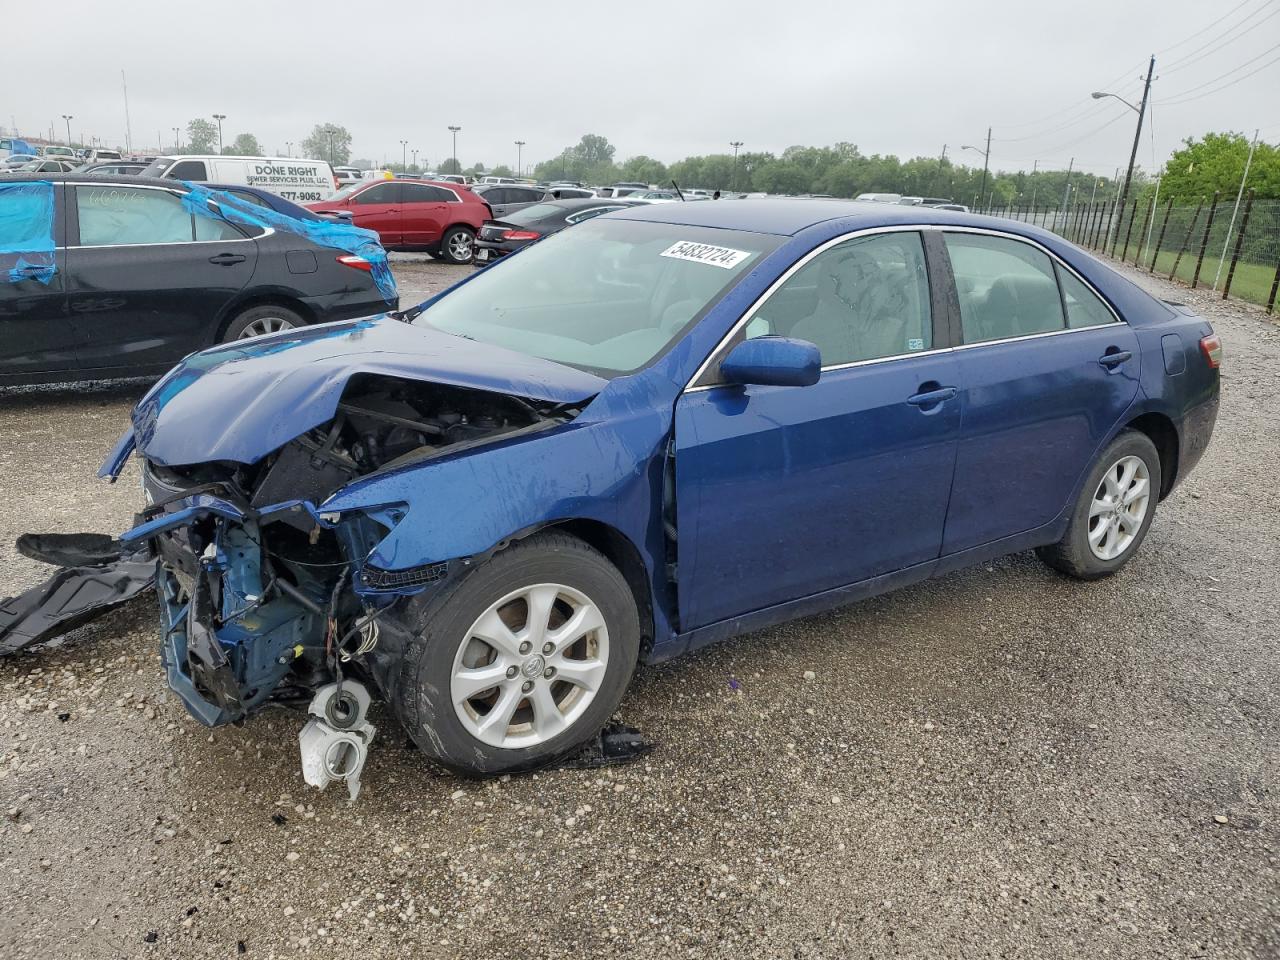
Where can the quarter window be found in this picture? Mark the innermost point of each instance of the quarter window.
(863, 299)
(114, 216)
(1006, 288)
(1084, 309)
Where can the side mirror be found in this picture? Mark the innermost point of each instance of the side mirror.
(772, 362)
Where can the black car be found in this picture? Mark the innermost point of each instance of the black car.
(119, 277)
(505, 198)
(500, 237)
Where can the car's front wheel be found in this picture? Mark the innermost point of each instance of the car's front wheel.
(458, 245)
(524, 660)
(1113, 512)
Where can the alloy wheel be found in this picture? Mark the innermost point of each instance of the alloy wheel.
(1119, 506)
(263, 326)
(530, 666)
(460, 246)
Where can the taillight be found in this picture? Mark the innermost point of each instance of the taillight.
(520, 235)
(1211, 347)
(358, 263)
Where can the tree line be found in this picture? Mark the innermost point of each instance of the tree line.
(1197, 169)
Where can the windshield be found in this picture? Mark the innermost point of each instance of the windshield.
(607, 296)
(351, 188)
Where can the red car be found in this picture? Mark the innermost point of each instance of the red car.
(440, 218)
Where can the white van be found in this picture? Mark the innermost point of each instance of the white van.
(99, 155)
(297, 180)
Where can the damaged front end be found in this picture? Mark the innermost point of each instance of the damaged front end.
(267, 598)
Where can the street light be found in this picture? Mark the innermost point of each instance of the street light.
(519, 157)
(404, 156)
(986, 162)
(735, 144)
(454, 130)
(177, 140)
(219, 117)
(288, 147)
(1098, 95)
(415, 159)
(68, 117)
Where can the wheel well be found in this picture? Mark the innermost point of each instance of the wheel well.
(622, 553)
(274, 299)
(1160, 430)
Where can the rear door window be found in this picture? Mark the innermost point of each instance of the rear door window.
(1006, 288)
(118, 216)
(425, 193)
(379, 193)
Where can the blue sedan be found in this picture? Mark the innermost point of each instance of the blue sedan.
(664, 427)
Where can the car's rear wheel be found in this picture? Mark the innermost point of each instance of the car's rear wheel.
(1113, 512)
(458, 245)
(522, 661)
(261, 320)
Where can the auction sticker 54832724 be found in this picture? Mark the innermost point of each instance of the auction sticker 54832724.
(706, 253)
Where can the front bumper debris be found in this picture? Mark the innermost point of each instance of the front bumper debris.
(335, 741)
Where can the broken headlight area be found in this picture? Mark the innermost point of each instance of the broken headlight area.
(266, 598)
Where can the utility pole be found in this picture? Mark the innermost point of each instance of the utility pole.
(219, 117)
(1133, 155)
(288, 146)
(177, 140)
(944, 154)
(520, 158)
(986, 163)
(404, 156)
(68, 117)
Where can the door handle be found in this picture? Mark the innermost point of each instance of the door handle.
(226, 259)
(931, 398)
(1112, 360)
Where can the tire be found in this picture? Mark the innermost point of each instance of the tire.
(451, 682)
(260, 320)
(458, 245)
(1077, 554)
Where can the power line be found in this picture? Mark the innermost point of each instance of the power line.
(1220, 42)
(1182, 96)
(1200, 33)
(1076, 105)
(1096, 110)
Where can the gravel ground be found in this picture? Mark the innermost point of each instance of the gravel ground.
(999, 763)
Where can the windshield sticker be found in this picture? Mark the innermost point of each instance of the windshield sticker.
(706, 253)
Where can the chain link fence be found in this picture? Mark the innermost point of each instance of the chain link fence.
(1210, 244)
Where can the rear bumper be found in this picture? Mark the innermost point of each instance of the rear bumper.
(1195, 432)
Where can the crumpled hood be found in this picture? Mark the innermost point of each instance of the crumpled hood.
(243, 400)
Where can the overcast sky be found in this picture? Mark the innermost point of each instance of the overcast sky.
(667, 79)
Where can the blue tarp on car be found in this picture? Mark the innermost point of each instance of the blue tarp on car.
(26, 231)
(327, 233)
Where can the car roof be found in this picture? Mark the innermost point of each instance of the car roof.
(788, 216)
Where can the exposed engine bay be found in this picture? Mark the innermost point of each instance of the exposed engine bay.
(266, 599)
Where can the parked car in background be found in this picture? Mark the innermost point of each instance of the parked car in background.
(46, 165)
(121, 167)
(653, 196)
(957, 207)
(449, 178)
(59, 153)
(101, 155)
(16, 160)
(136, 281)
(569, 193)
(508, 234)
(621, 189)
(265, 198)
(880, 197)
(344, 176)
(507, 198)
(441, 219)
(579, 459)
(291, 178)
